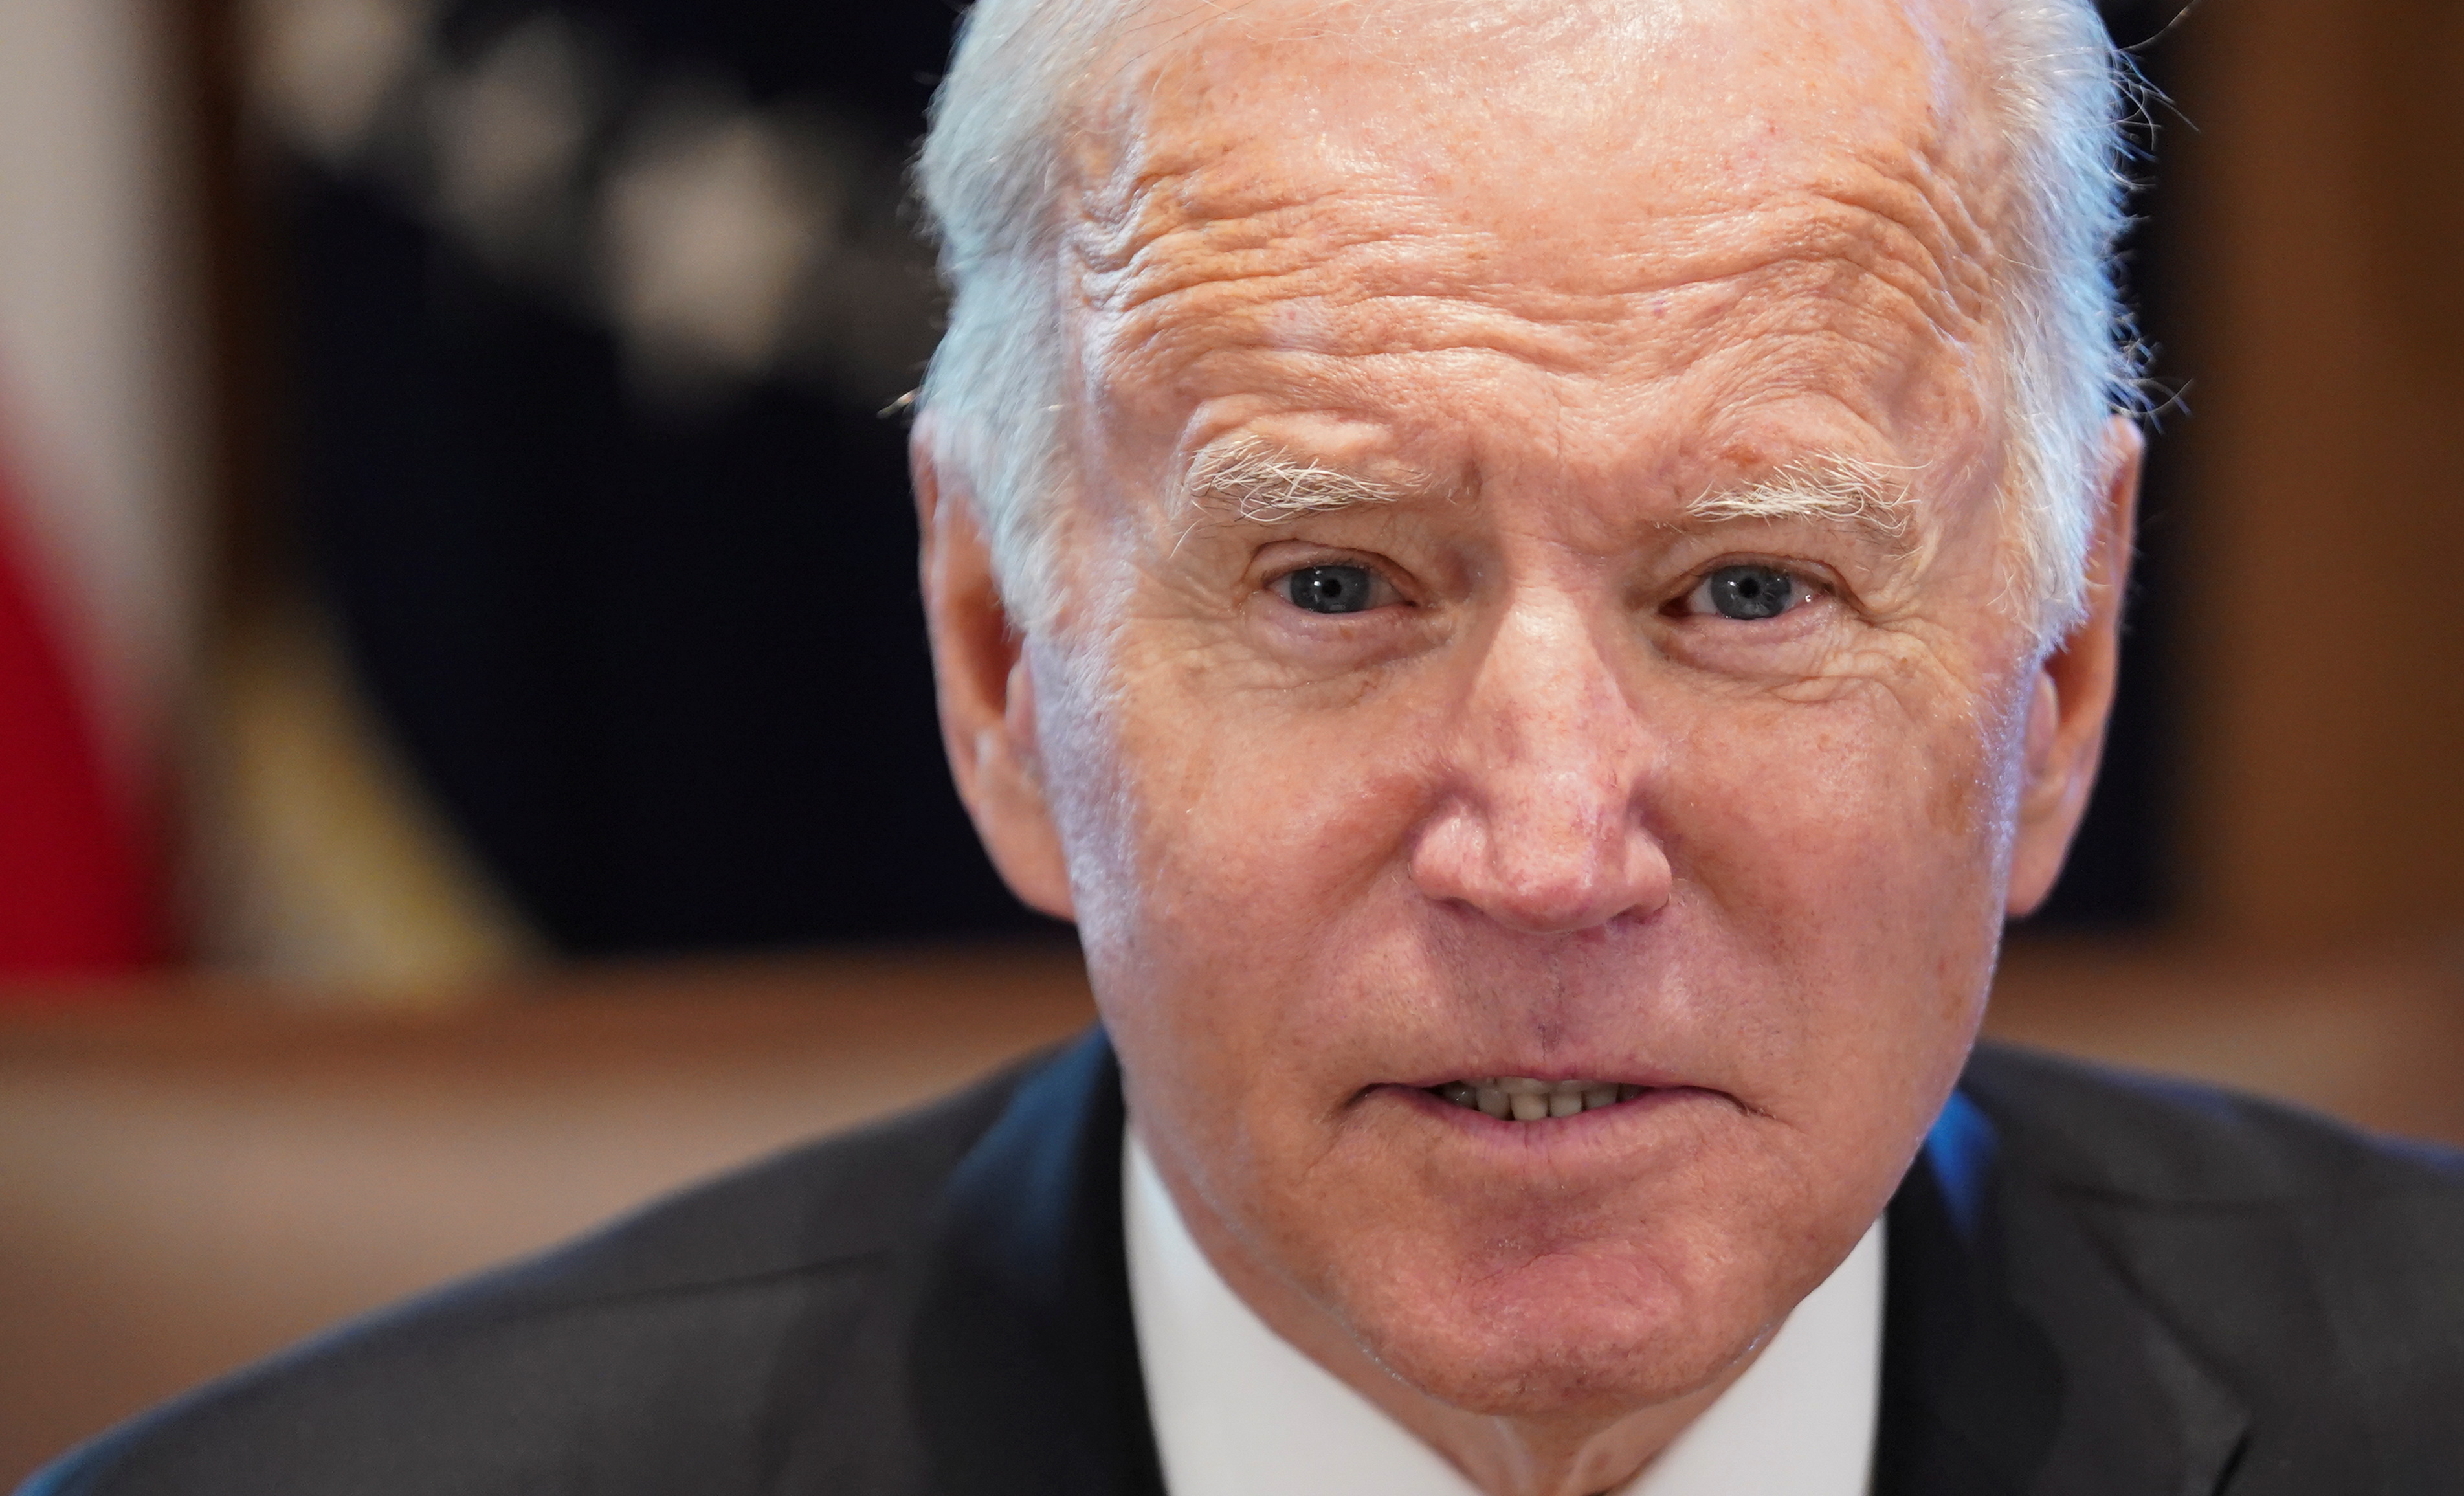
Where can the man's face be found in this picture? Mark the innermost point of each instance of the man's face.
(1537, 606)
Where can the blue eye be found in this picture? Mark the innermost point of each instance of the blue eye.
(1748, 593)
(1330, 589)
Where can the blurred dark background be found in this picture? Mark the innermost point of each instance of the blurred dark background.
(579, 340)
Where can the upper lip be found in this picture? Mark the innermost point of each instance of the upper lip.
(1608, 1072)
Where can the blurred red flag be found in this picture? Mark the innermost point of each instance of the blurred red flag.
(98, 474)
(75, 896)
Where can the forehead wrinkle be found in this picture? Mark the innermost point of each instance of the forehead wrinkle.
(1162, 218)
(1194, 288)
(1214, 338)
(1166, 198)
(1358, 234)
(1891, 229)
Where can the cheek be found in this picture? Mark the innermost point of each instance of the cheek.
(1851, 841)
(1811, 794)
(1220, 849)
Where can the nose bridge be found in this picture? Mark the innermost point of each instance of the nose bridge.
(1548, 712)
(1542, 829)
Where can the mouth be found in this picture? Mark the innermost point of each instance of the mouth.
(1518, 1098)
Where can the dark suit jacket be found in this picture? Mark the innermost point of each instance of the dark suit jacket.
(2096, 1285)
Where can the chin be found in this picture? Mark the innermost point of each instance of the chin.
(1555, 1337)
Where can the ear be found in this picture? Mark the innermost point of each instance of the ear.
(2072, 698)
(985, 689)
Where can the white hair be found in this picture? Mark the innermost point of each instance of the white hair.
(992, 176)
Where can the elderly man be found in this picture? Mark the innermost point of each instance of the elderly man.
(1538, 577)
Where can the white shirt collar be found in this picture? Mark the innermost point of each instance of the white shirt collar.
(1239, 1411)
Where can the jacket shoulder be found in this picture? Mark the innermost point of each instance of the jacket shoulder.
(659, 1353)
(2311, 1268)
(2162, 1141)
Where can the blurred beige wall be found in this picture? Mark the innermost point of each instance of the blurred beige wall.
(2319, 189)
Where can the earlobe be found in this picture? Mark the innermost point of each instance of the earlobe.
(984, 686)
(2071, 699)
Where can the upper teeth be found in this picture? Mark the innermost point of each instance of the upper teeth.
(1527, 1100)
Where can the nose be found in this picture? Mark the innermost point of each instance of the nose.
(1541, 825)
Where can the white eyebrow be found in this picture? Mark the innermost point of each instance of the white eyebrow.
(1264, 484)
(1835, 490)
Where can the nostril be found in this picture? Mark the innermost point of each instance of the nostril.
(1561, 901)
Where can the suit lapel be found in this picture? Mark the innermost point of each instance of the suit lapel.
(1025, 1362)
(1971, 1388)
(2018, 1358)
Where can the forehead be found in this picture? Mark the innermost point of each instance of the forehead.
(1612, 194)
